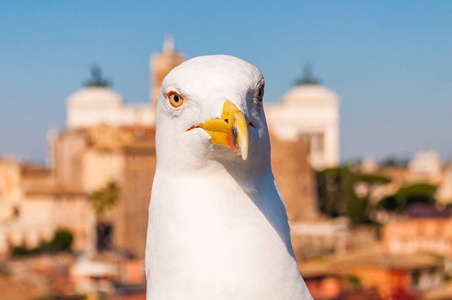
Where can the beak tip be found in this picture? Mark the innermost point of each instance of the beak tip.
(244, 155)
(244, 149)
(231, 130)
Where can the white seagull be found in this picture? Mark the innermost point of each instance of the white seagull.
(217, 226)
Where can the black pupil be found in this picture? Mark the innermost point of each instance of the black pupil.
(260, 92)
(176, 98)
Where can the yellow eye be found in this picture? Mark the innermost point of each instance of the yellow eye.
(175, 99)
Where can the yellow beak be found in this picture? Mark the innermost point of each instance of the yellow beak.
(230, 130)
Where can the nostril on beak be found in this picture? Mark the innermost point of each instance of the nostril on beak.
(251, 124)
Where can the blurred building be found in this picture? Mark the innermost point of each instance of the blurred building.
(322, 281)
(394, 276)
(368, 166)
(428, 229)
(90, 159)
(444, 191)
(10, 187)
(107, 140)
(317, 238)
(37, 277)
(371, 274)
(311, 234)
(161, 64)
(33, 207)
(426, 167)
(295, 178)
(99, 105)
(308, 111)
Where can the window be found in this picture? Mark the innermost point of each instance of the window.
(104, 236)
(415, 278)
(316, 143)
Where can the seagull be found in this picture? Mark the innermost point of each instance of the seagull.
(217, 226)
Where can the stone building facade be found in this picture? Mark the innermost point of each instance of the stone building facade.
(140, 163)
(34, 206)
(308, 111)
(429, 229)
(295, 178)
(125, 156)
(98, 105)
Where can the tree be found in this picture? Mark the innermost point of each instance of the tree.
(357, 210)
(388, 203)
(104, 198)
(62, 241)
(405, 196)
(416, 193)
(333, 189)
(373, 179)
(337, 196)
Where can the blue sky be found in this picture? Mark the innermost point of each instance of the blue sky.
(390, 61)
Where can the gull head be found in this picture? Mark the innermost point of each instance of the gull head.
(210, 113)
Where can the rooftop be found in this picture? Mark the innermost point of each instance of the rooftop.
(95, 94)
(309, 94)
(391, 261)
(428, 211)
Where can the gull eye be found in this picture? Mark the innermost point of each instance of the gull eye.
(175, 99)
(260, 93)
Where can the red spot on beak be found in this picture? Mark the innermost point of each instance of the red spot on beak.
(193, 127)
(232, 145)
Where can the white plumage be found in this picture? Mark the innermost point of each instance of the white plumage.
(217, 224)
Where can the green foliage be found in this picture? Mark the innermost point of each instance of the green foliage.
(337, 197)
(19, 251)
(104, 198)
(335, 188)
(356, 210)
(388, 203)
(62, 241)
(417, 193)
(405, 196)
(336, 193)
(354, 281)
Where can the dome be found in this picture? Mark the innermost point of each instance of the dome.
(310, 95)
(95, 96)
